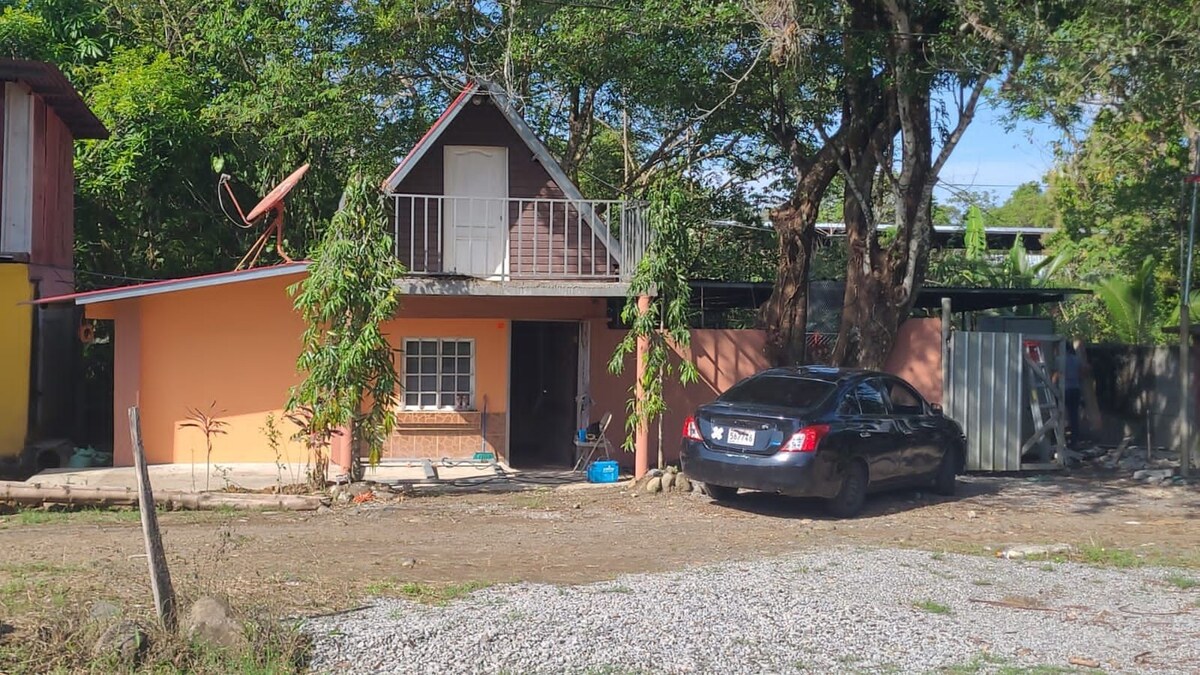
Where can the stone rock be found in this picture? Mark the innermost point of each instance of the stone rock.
(408, 562)
(654, 484)
(124, 640)
(103, 609)
(357, 489)
(1153, 475)
(654, 473)
(1017, 552)
(668, 481)
(682, 484)
(343, 498)
(324, 509)
(211, 621)
(672, 469)
(972, 514)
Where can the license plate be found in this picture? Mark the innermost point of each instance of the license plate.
(743, 437)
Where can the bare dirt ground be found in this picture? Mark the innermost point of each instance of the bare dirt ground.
(309, 563)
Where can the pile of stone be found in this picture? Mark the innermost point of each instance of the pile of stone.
(668, 480)
(1154, 467)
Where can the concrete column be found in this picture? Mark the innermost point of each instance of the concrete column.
(127, 378)
(641, 436)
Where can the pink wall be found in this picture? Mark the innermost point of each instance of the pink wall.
(917, 357)
(723, 357)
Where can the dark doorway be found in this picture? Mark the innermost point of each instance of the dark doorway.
(545, 358)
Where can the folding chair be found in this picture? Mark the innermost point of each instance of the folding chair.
(586, 449)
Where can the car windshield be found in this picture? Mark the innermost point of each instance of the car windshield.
(787, 392)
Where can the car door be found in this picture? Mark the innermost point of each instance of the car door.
(877, 441)
(916, 430)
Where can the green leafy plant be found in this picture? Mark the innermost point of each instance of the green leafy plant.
(662, 277)
(1130, 302)
(349, 364)
(210, 426)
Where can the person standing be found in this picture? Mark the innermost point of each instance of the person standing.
(1073, 387)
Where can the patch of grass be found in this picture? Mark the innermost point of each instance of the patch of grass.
(931, 606)
(535, 499)
(998, 665)
(981, 582)
(63, 643)
(1047, 567)
(384, 587)
(28, 517)
(615, 589)
(430, 594)
(940, 555)
(1183, 583)
(1109, 557)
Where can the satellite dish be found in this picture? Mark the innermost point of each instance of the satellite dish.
(270, 209)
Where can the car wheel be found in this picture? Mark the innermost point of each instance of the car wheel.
(946, 478)
(721, 493)
(852, 494)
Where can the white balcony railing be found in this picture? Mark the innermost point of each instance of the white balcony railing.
(507, 239)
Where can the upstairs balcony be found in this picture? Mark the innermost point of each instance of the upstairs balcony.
(525, 239)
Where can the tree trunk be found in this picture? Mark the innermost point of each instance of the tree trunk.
(785, 315)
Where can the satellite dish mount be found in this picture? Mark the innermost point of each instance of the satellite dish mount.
(270, 210)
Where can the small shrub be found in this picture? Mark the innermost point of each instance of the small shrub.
(932, 607)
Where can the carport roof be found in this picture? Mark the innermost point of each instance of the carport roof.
(751, 295)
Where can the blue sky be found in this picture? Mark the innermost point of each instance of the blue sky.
(993, 158)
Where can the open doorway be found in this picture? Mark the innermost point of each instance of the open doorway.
(544, 371)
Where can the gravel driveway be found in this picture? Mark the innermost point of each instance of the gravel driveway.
(842, 610)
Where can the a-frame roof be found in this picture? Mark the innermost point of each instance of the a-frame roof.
(531, 140)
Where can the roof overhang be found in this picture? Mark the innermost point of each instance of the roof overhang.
(419, 285)
(751, 295)
(48, 82)
(175, 285)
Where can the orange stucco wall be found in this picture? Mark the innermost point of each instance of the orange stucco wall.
(234, 348)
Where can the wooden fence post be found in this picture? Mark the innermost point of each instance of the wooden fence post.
(160, 576)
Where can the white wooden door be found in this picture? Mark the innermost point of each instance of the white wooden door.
(476, 211)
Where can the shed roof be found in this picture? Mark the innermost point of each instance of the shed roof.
(751, 295)
(173, 285)
(47, 81)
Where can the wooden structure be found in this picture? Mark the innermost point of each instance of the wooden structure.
(41, 117)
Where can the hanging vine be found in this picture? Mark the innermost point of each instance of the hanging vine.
(662, 275)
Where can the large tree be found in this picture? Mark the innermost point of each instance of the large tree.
(878, 92)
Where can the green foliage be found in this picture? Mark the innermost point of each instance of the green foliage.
(974, 235)
(348, 362)
(1130, 302)
(664, 325)
(24, 35)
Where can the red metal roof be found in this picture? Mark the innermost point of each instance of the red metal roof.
(48, 82)
(174, 285)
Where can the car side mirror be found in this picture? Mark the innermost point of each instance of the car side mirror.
(937, 408)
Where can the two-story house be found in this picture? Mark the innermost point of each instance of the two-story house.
(41, 117)
(510, 269)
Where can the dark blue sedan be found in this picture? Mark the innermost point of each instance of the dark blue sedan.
(831, 433)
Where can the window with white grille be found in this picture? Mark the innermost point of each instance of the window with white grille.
(439, 374)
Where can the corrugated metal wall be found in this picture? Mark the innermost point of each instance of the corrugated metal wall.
(985, 392)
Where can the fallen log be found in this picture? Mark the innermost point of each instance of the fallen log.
(171, 500)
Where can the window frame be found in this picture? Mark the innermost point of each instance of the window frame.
(922, 406)
(437, 392)
(877, 385)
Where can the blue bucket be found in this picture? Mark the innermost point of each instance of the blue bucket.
(603, 471)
